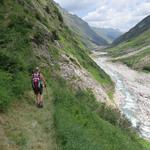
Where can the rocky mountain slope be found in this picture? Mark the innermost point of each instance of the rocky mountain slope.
(82, 29)
(133, 47)
(140, 28)
(109, 34)
(33, 33)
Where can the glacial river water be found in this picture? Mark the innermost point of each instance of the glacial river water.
(132, 92)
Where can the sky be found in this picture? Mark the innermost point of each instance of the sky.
(117, 14)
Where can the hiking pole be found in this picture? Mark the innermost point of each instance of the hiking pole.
(46, 90)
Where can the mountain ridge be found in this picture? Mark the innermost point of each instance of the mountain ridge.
(138, 29)
(82, 29)
(108, 34)
(33, 33)
(132, 48)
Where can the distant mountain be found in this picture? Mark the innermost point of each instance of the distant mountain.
(135, 31)
(109, 34)
(133, 48)
(82, 29)
(78, 105)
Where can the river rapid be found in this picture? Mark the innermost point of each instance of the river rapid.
(132, 92)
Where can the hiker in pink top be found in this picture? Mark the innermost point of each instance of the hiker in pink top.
(38, 82)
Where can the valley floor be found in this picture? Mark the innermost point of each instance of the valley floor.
(132, 92)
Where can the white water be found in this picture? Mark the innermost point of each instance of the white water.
(132, 93)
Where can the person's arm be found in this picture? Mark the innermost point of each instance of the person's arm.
(43, 79)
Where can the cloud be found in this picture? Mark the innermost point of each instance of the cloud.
(74, 5)
(122, 14)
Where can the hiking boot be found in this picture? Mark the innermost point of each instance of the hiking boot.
(37, 104)
(41, 105)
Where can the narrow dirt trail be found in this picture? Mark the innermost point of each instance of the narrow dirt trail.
(132, 92)
(26, 127)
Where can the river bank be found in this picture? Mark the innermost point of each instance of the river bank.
(132, 92)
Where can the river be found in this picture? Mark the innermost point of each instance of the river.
(132, 92)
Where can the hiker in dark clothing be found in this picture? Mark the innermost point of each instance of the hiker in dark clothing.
(38, 82)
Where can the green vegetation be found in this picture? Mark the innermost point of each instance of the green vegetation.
(130, 45)
(136, 31)
(75, 48)
(24, 127)
(139, 61)
(28, 32)
(17, 33)
(81, 122)
(14, 54)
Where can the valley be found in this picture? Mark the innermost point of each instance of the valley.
(80, 110)
(131, 93)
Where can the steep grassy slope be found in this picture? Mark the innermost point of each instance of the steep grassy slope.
(33, 33)
(108, 34)
(84, 124)
(28, 38)
(83, 30)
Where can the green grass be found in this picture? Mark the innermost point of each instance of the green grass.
(82, 123)
(20, 27)
(27, 40)
(14, 54)
(136, 60)
(27, 127)
(132, 45)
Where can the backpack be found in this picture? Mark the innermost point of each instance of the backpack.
(36, 80)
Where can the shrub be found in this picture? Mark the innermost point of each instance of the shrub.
(146, 68)
(20, 24)
(47, 9)
(113, 116)
(9, 64)
(58, 14)
(2, 2)
(55, 35)
(21, 83)
(5, 89)
(38, 38)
